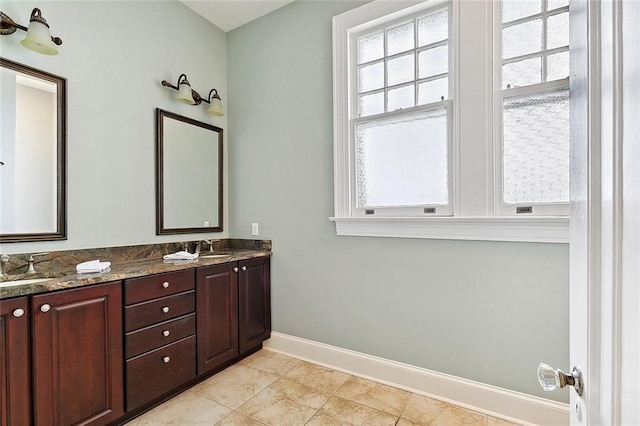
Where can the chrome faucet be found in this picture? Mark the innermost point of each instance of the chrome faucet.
(4, 260)
(31, 260)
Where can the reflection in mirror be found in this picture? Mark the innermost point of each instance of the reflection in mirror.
(189, 175)
(32, 154)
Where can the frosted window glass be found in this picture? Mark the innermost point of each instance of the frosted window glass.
(558, 66)
(370, 48)
(514, 9)
(522, 39)
(402, 97)
(400, 70)
(400, 39)
(371, 104)
(402, 161)
(536, 148)
(433, 28)
(433, 61)
(433, 91)
(554, 4)
(558, 30)
(371, 77)
(522, 73)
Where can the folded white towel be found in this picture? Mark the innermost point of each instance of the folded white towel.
(181, 255)
(92, 266)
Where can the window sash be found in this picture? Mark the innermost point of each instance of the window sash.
(500, 94)
(418, 210)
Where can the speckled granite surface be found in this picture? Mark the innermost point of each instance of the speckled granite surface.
(126, 262)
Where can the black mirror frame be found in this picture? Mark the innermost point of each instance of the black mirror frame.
(61, 135)
(160, 227)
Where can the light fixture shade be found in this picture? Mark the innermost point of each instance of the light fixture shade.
(184, 93)
(38, 39)
(216, 107)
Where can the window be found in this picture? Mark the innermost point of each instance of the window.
(429, 142)
(533, 103)
(401, 115)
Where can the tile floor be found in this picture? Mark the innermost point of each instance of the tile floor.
(269, 388)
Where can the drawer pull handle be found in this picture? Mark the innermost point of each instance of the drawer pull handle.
(244, 268)
(165, 333)
(45, 307)
(166, 359)
(18, 313)
(165, 284)
(165, 309)
(235, 269)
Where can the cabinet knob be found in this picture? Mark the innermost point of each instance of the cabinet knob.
(165, 333)
(165, 309)
(18, 313)
(166, 359)
(235, 269)
(244, 268)
(45, 307)
(165, 284)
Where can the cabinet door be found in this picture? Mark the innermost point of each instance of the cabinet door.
(216, 315)
(77, 356)
(14, 363)
(254, 306)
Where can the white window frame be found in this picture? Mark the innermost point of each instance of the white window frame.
(473, 147)
(540, 209)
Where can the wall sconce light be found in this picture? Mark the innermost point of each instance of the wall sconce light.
(189, 96)
(38, 36)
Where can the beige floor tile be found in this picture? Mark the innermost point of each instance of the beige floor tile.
(237, 419)
(492, 421)
(338, 411)
(271, 362)
(235, 385)
(454, 416)
(421, 410)
(317, 377)
(285, 402)
(188, 408)
(375, 395)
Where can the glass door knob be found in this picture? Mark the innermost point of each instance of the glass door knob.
(552, 379)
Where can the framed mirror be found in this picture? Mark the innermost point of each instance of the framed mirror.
(188, 175)
(33, 112)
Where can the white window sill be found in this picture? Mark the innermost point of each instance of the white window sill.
(521, 229)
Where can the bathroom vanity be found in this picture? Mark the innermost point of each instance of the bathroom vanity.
(107, 347)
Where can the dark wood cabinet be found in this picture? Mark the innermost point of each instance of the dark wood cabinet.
(77, 356)
(233, 310)
(254, 303)
(15, 382)
(216, 315)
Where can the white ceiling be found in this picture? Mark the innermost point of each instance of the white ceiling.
(230, 14)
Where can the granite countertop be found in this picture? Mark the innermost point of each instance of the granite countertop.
(121, 270)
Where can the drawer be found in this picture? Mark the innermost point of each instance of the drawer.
(158, 310)
(152, 337)
(154, 286)
(160, 371)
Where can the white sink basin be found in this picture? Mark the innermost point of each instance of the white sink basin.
(22, 282)
(212, 256)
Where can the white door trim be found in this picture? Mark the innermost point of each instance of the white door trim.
(605, 216)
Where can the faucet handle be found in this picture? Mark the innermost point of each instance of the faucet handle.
(31, 257)
(30, 268)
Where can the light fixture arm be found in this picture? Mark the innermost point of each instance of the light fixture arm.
(215, 96)
(9, 26)
(196, 96)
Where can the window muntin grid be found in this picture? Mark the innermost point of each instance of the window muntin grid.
(412, 53)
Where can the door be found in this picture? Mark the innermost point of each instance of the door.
(254, 303)
(605, 210)
(77, 356)
(15, 365)
(216, 315)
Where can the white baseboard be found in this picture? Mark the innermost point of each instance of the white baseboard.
(492, 400)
